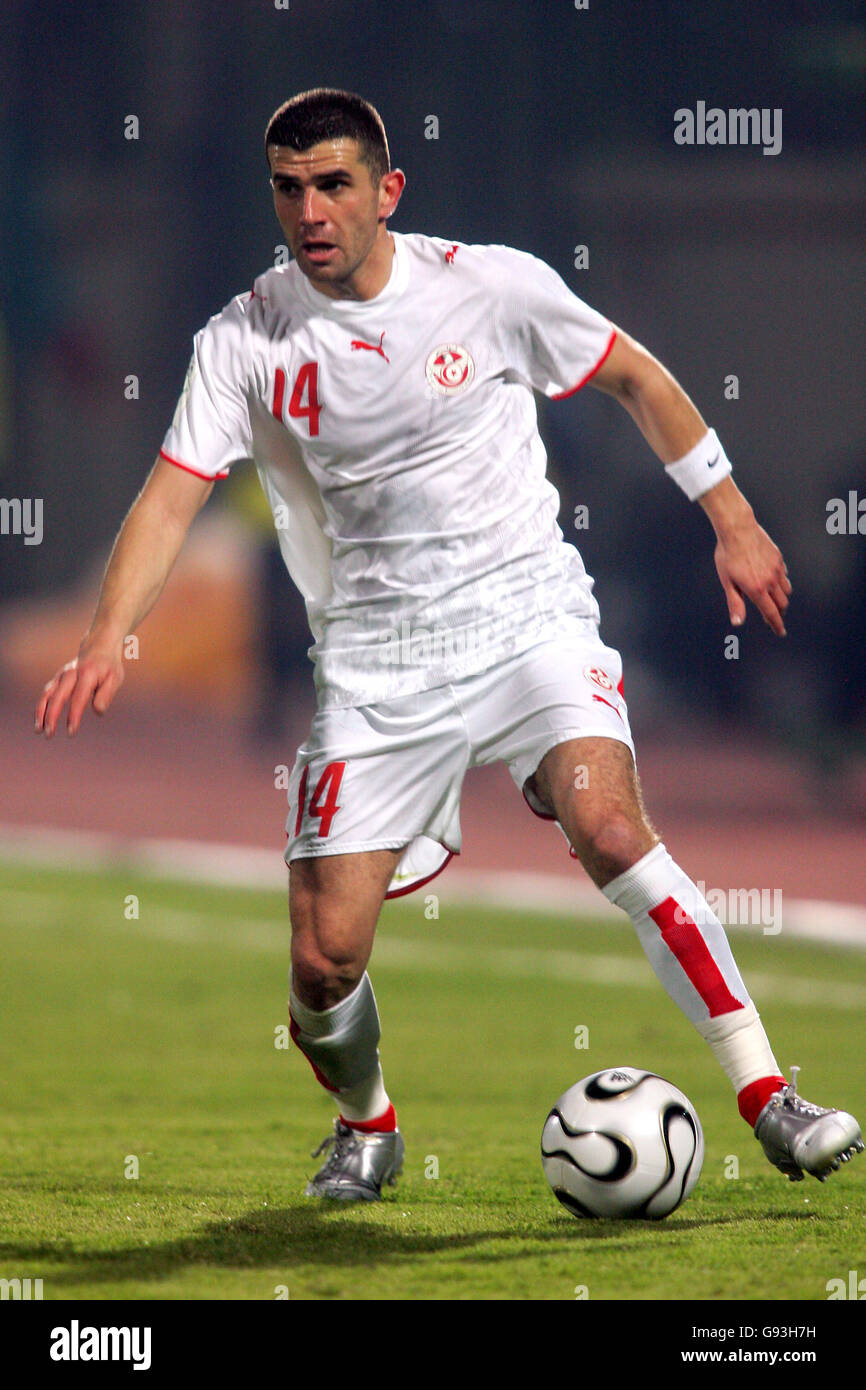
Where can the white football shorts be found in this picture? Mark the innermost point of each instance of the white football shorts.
(390, 775)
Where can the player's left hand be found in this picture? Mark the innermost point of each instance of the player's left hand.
(750, 566)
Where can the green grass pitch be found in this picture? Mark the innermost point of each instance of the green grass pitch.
(157, 1129)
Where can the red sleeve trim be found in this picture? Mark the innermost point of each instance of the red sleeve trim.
(584, 379)
(207, 477)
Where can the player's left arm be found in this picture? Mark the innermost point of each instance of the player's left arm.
(749, 563)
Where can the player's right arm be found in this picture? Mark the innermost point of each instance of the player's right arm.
(146, 548)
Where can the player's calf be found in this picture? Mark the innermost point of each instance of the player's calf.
(602, 815)
(334, 905)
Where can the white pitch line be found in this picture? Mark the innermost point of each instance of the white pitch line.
(242, 866)
(185, 926)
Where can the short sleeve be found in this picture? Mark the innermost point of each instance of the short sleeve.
(211, 426)
(553, 339)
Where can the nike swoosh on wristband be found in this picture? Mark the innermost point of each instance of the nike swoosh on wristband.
(712, 462)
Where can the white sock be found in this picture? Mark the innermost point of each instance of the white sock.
(687, 948)
(366, 1101)
(683, 938)
(341, 1044)
(740, 1046)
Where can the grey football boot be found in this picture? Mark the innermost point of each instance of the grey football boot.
(358, 1165)
(803, 1138)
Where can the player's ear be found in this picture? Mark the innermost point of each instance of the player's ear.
(391, 186)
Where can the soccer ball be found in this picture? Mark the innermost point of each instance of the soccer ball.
(622, 1143)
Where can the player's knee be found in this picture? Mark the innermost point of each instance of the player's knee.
(323, 973)
(615, 843)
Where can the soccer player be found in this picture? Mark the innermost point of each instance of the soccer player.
(383, 384)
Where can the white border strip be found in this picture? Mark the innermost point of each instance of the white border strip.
(247, 866)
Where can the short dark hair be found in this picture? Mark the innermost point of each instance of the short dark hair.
(328, 113)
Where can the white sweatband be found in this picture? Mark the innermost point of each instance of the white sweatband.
(701, 468)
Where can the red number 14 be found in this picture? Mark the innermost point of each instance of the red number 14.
(306, 383)
(328, 786)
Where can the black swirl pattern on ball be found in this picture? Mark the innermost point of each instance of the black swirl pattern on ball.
(668, 1115)
(625, 1154)
(594, 1091)
(573, 1205)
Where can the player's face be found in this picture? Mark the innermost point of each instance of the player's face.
(331, 212)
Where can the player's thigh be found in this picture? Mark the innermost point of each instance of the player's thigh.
(591, 786)
(334, 905)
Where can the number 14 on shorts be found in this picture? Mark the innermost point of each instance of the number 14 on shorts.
(323, 802)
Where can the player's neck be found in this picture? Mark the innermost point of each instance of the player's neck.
(370, 277)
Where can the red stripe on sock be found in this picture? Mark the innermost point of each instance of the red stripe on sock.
(294, 1033)
(752, 1099)
(383, 1124)
(680, 934)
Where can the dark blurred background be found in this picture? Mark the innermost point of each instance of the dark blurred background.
(555, 130)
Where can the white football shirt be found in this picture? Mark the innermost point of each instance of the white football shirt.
(397, 442)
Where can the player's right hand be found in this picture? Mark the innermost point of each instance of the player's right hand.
(93, 677)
